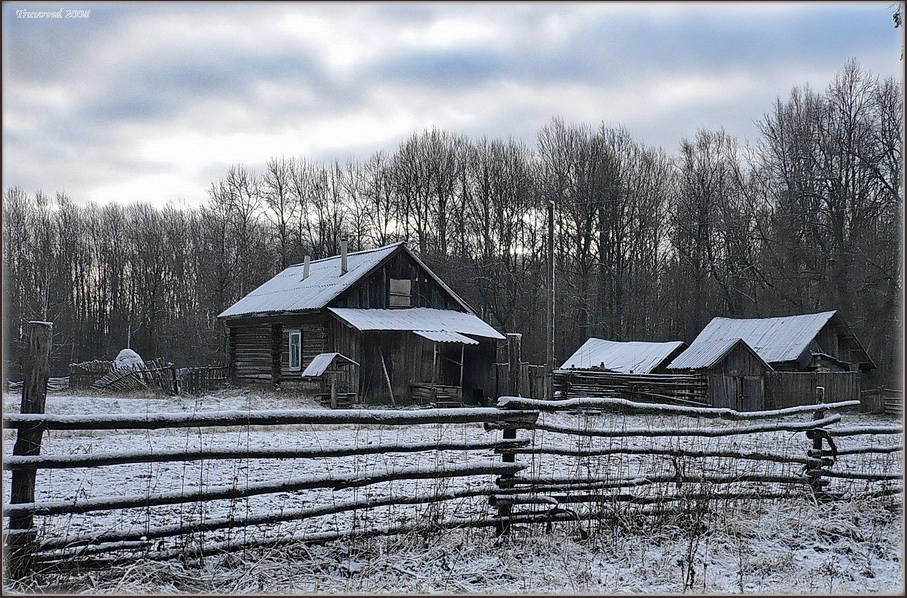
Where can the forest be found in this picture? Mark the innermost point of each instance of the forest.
(648, 245)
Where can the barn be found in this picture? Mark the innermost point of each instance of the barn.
(379, 321)
(799, 352)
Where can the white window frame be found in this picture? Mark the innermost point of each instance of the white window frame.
(294, 341)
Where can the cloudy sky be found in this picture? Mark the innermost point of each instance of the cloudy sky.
(153, 101)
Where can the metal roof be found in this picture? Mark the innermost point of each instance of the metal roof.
(705, 355)
(773, 339)
(322, 361)
(444, 336)
(288, 292)
(626, 357)
(423, 319)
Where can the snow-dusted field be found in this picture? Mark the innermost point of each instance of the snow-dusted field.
(785, 546)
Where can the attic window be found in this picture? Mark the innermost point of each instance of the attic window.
(400, 292)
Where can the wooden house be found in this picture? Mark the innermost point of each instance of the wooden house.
(802, 352)
(407, 333)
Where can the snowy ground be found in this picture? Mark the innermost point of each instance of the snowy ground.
(784, 546)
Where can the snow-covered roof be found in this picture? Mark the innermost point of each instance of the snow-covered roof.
(422, 319)
(626, 357)
(289, 292)
(445, 336)
(322, 361)
(773, 339)
(705, 355)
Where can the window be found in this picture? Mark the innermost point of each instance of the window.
(400, 292)
(295, 338)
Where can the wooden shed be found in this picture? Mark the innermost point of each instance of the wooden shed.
(803, 352)
(408, 332)
(734, 371)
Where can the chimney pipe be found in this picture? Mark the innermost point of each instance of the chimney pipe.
(305, 266)
(344, 262)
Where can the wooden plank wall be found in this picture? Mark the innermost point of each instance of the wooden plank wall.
(787, 389)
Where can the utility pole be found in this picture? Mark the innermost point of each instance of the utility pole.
(550, 327)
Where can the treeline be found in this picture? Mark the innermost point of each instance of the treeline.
(648, 246)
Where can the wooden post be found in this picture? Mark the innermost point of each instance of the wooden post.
(333, 376)
(549, 369)
(462, 356)
(514, 342)
(28, 442)
(231, 356)
(276, 345)
(814, 470)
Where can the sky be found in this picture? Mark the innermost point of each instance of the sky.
(152, 102)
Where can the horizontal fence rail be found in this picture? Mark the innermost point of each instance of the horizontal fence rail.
(156, 421)
(579, 459)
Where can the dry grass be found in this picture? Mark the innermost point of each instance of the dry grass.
(757, 548)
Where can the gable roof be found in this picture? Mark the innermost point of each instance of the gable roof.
(705, 355)
(626, 357)
(775, 340)
(417, 319)
(288, 292)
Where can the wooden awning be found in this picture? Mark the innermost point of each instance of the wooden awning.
(323, 361)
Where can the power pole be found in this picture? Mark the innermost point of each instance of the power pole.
(550, 327)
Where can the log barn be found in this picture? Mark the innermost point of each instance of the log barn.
(403, 334)
(796, 355)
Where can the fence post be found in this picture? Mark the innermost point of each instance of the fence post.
(28, 442)
(505, 507)
(514, 367)
(814, 468)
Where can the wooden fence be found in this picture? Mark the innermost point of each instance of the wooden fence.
(546, 477)
(199, 380)
(681, 389)
(786, 389)
(578, 460)
(889, 401)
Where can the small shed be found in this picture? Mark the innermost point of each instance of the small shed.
(626, 357)
(735, 373)
(326, 368)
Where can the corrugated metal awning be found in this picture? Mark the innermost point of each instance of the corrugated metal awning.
(322, 361)
(445, 336)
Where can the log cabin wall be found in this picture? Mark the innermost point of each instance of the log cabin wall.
(253, 344)
(253, 351)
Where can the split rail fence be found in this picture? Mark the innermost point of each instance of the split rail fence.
(238, 479)
(576, 463)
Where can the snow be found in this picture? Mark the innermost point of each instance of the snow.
(632, 357)
(792, 545)
(421, 319)
(128, 358)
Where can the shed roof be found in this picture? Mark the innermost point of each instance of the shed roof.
(775, 340)
(322, 361)
(423, 319)
(705, 355)
(289, 292)
(444, 336)
(626, 357)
